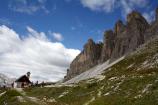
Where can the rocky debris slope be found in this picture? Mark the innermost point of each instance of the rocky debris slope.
(86, 59)
(130, 81)
(94, 72)
(120, 41)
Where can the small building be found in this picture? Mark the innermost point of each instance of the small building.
(23, 81)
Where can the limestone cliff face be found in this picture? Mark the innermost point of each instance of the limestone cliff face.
(124, 38)
(86, 59)
(153, 29)
(108, 45)
(129, 37)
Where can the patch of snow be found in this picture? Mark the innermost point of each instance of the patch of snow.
(131, 65)
(118, 85)
(113, 78)
(93, 72)
(63, 94)
(20, 99)
(61, 85)
(87, 103)
(145, 90)
(20, 90)
(145, 62)
(34, 99)
(100, 91)
(106, 94)
(100, 77)
(138, 96)
(1, 94)
(51, 100)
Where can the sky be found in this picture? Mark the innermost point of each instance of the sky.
(44, 36)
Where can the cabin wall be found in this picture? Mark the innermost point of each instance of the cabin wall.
(19, 84)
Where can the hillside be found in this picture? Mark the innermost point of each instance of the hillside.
(123, 39)
(132, 81)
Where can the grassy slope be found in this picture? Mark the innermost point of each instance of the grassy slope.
(133, 81)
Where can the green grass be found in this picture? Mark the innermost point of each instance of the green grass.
(134, 85)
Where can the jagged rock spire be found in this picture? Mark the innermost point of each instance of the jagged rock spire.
(119, 27)
(124, 39)
(108, 45)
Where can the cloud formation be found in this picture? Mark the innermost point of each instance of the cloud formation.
(99, 5)
(109, 5)
(46, 60)
(24, 6)
(57, 36)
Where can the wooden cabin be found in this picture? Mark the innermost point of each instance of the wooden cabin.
(23, 81)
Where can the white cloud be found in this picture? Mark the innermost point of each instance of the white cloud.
(109, 5)
(56, 36)
(25, 6)
(46, 60)
(105, 5)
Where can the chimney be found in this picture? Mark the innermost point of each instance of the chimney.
(28, 74)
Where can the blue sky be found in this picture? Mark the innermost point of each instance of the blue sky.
(75, 21)
(44, 36)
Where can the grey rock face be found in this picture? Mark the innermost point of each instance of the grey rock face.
(130, 36)
(108, 45)
(153, 29)
(124, 38)
(86, 59)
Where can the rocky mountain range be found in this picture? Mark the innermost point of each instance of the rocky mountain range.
(4, 80)
(123, 39)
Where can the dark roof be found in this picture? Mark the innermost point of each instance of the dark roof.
(23, 78)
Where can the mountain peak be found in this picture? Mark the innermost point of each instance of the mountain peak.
(119, 27)
(134, 15)
(118, 42)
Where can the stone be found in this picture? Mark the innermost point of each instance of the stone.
(108, 45)
(120, 41)
(86, 59)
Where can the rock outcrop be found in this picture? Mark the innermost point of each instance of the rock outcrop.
(108, 45)
(123, 39)
(153, 29)
(86, 59)
(129, 37)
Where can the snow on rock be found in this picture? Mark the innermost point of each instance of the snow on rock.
(93, 72)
